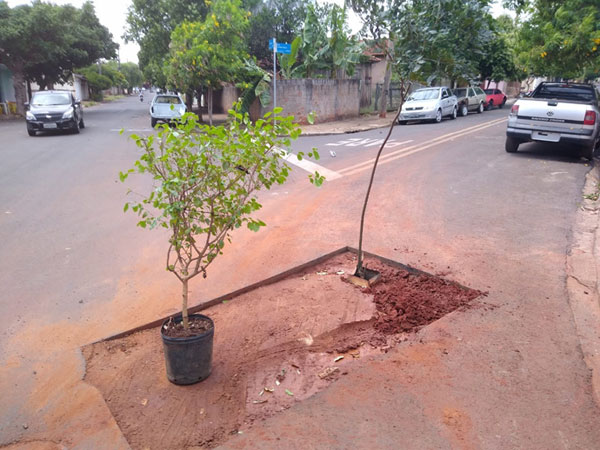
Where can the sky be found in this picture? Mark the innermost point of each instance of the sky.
(112, 14)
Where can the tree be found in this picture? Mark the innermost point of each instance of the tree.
(211, 52)
(497, 62)
(132, 74)
(376, 25)
(206, 184)
(57, 48)
(97, 82)
(150, 24)
(282, 20)
(560, 39)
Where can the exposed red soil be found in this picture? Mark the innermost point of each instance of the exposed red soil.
(273, 347)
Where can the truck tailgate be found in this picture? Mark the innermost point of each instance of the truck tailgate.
(552, 116)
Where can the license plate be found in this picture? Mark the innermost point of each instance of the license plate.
(49, 125)
(545, 136)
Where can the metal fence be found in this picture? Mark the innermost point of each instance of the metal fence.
(394, 97)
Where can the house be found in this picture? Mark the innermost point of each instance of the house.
(7, 91)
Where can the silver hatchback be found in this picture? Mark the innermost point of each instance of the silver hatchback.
(429, 104)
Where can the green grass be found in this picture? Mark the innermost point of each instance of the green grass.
(110, 98)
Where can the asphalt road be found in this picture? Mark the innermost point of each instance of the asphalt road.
(447, 198)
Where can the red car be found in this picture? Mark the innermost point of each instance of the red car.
(495, 97)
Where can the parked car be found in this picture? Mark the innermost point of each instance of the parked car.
(53, 110)
(470, 99)
(557, 112)
(166, 108)
(429, 104)
(495, 97)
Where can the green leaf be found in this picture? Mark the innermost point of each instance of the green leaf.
(126, 207)
(311, 117)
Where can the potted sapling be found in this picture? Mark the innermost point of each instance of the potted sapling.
(205, 184)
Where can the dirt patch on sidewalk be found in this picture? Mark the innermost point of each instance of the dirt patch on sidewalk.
(274, 346)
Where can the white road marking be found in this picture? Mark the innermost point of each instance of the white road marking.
(132, 130)
(366, 142)
(365, 165)
(310, 166)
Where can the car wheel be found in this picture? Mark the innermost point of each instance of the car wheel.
(438, 116)
(490, 105)
(588, 151)
(480, 108)
(81, 124)
(152, 123)
(31, 132)
(511, 145)
(76, 128)
(454, 113)
(502, 104)
(464, 110)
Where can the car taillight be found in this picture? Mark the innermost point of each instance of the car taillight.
(514, 110)
(590, 118)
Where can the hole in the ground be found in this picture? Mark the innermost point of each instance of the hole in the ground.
(274, 346)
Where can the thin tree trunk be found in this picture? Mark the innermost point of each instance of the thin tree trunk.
(19, 86)
(210, 106)
(359, 267)
(386, 87)
(184, 308)
(199, 97)
(189, 100)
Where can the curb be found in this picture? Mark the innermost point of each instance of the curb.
(583, 281)
(348, 131)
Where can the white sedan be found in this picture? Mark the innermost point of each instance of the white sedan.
(166, 108)
(429, 104)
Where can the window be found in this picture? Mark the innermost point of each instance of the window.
(167, 99)
(48, 99)
(471, 92)
(425, 94)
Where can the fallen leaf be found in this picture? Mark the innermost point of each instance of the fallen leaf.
(269, 389)
(340, 272)
(261, 392)
(338, 358)
(258, 402)
(277, 382)
(144, 402)
(322, 273)
(288, 392)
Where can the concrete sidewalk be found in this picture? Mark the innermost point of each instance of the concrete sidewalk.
(351, 125)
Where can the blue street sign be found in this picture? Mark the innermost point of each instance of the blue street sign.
(286, 49)
(281, 47)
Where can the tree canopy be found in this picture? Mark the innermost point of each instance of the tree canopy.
(559, 39)
(44, 43)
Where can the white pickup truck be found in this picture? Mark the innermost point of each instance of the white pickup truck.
(557, 112)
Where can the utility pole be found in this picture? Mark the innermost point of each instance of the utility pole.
(274, 72)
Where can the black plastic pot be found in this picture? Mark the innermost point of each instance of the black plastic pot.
(188, 359)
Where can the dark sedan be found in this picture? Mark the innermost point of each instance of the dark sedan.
(54, 110)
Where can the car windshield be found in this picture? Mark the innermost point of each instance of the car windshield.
(460, 92)
(425, 94)
(169, 100)
(489, 91)
(51, 99)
